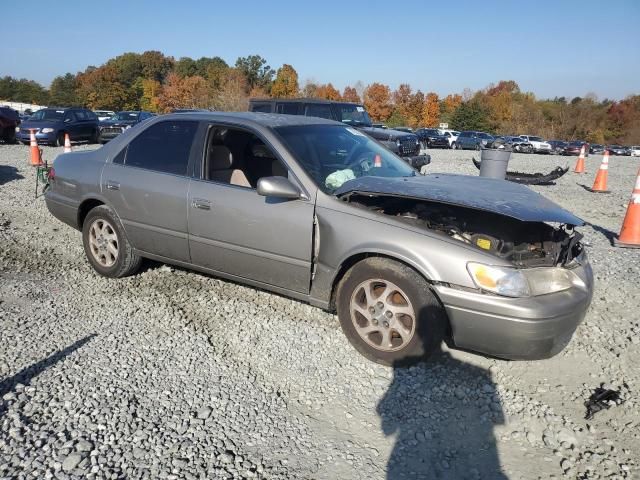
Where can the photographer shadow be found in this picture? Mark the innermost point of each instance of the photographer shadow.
(443, 414)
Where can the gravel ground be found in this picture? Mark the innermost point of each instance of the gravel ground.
(174, 374)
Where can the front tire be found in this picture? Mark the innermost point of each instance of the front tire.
(388, 312)
(106, 245)
(454, 146)
(60, 140)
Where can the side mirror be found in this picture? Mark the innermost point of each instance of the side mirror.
(278, 187)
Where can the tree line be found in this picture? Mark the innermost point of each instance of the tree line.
(155, 82)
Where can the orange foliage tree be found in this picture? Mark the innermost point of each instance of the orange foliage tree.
(377, 101)
(431, 110)
(328, 92)
(351, 95)
(286, 83)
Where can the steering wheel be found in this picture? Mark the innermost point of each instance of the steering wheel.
(357, 159)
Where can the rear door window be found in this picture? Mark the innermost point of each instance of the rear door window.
(164, 147)
(290, 108)
(261, 107)
(322, 110)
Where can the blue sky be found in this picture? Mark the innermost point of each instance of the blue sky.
(563, 48)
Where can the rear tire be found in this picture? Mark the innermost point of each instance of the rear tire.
(388, 312)
(106, 245)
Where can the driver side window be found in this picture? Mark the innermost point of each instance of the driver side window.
(238, 157)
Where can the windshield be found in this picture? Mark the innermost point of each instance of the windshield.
(535, 139)
(125, 116)
(47, 114)
(334, 154)
(354, 115)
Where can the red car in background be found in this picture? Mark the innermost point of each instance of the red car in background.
(573, 148)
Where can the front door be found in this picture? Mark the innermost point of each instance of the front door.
(234, 230)
(147, 184)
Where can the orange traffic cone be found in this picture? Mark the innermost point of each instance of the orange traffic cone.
(36, 154)
(580, 163)
(600, 183)
(630, 233)
(67, 143)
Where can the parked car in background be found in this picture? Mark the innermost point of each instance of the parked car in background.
(379, 125)
(472, 140)
(404, 129)
(452, 135)
(617, 150)
(516, 144)
(558, 146)
(432, 138)
(635, 150)
(596, 148)
(406, 145)
(627, 151)
(574, 148)
(104, 114)
(51, 124)
(539, 145)
(316, 210)
(9, 121)
(119, 122)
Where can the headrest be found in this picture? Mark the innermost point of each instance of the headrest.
(220, 157)
(261, 150)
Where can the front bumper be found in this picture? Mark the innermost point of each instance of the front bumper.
(529, 328)
(40, 137)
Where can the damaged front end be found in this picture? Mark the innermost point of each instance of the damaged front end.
(524, 244)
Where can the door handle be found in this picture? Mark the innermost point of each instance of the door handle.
(201, 203)
(111, 185)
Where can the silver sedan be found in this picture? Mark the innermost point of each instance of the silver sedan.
(318, 211)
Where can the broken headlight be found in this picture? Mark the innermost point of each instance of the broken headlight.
(505, 281)
(551, 280)
(512, 282)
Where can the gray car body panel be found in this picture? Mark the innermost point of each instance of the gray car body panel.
(272, 247)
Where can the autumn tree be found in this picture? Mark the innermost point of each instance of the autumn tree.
(257, 71)
(286, 83)
(351, 95)
(328, 92)
(188, 92)
(149, 99)
(431, 110)
(62, 91)
(470, 115)
(401, 99)
(377, 101)
(310, 89)
(414, 109)
(101, 88)
(233, 94)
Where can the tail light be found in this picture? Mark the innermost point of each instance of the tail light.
(51, 174)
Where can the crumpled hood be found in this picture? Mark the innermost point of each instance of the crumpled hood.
(488, 194)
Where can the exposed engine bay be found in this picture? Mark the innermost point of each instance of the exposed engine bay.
(525, 244)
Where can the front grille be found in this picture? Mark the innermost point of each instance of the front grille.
(116, 130)
(409, 147)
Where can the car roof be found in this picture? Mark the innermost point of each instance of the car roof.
(303, 100)
(270, 120)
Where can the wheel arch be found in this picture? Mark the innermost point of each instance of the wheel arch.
(85, 207)
(357, 257)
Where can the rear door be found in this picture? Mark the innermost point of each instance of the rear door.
(71, 125)
(147, 184)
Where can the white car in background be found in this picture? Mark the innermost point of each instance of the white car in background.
(104, 114)
(452, 135)
(635, 150)
(539, 145)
